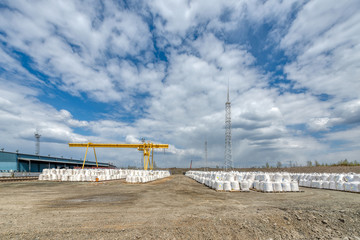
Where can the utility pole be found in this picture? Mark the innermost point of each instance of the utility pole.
(206, 164)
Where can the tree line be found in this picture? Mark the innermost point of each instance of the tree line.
(316, 163)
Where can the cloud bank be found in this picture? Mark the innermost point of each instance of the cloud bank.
(109, 71)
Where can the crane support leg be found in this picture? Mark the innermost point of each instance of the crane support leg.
(96, 158)
(87, 147)
(152, 159)
(148, 159)
(145, 166)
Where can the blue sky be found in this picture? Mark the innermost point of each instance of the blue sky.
(118, 71)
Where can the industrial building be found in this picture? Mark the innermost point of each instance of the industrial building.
(35, 163)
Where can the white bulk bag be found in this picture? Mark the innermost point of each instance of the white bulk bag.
(213, 184)
(277, 177)
(286, 186)
(332, 185)
(267, 177)
(326, 184)
(355, 186)
(259, 177)
(340, 186)
(267, 186)
(227, 186)
(235, 186)
(294, 186)
(83, 178)
(347, 186)
(128, 178)
(256, 184)
(302, 182)
(324, 177)
(356, 178)
(316, 184)
(239, 177)
(339, 178)
(230, 178)
(219, 185)
(277, 186)
(260, 186)
(143, 179)
(348, 178)
(331, 177)
(64, 178)
(250, 176)
(286, 177)
(244, 185)
(207, 182)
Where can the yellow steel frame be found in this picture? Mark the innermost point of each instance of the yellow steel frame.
(147, 148)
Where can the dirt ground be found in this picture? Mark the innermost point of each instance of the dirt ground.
(173, 208)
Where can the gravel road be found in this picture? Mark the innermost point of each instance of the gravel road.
(173, 208)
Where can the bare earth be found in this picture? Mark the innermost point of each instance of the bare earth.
(173, 208)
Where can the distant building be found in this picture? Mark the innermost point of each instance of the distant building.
(35, 163)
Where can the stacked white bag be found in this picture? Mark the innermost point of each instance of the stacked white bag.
(220, 181)
(334, 181)
(92, 175)
(243, 181)
(143, 176)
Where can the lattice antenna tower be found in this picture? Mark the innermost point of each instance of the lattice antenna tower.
(37, 142)
(228, 157)
(206, 163)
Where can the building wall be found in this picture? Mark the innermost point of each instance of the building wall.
(8, 161)
(20, 162)
(39, 166)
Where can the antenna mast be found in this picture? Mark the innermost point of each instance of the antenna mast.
(37, 143)
(228, 157)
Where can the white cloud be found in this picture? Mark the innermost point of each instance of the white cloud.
(178, 16)
(107, 54)
(325, 40)
(300, 108)
(73, 51)
(22, 114)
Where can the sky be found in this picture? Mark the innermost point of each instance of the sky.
(119, 71)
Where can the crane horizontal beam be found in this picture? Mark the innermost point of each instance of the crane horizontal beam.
(119, 145)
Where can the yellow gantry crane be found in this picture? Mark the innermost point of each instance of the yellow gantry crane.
(147, 148)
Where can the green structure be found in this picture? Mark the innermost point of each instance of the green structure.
(35, 163)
